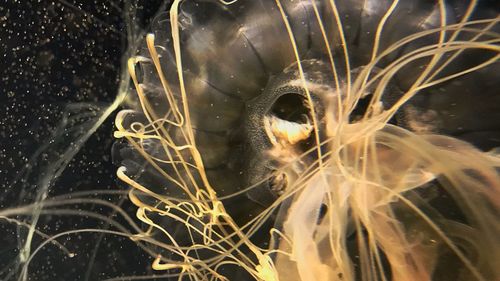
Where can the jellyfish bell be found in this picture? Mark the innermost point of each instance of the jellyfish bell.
(312, 140)
(294, 140)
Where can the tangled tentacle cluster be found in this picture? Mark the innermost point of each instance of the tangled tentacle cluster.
(305, 140)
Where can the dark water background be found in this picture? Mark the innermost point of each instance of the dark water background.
(62, 60)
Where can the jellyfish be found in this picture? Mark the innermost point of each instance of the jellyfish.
(310, 140)
(305, 140)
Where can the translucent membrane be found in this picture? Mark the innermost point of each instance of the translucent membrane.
(356, 183)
